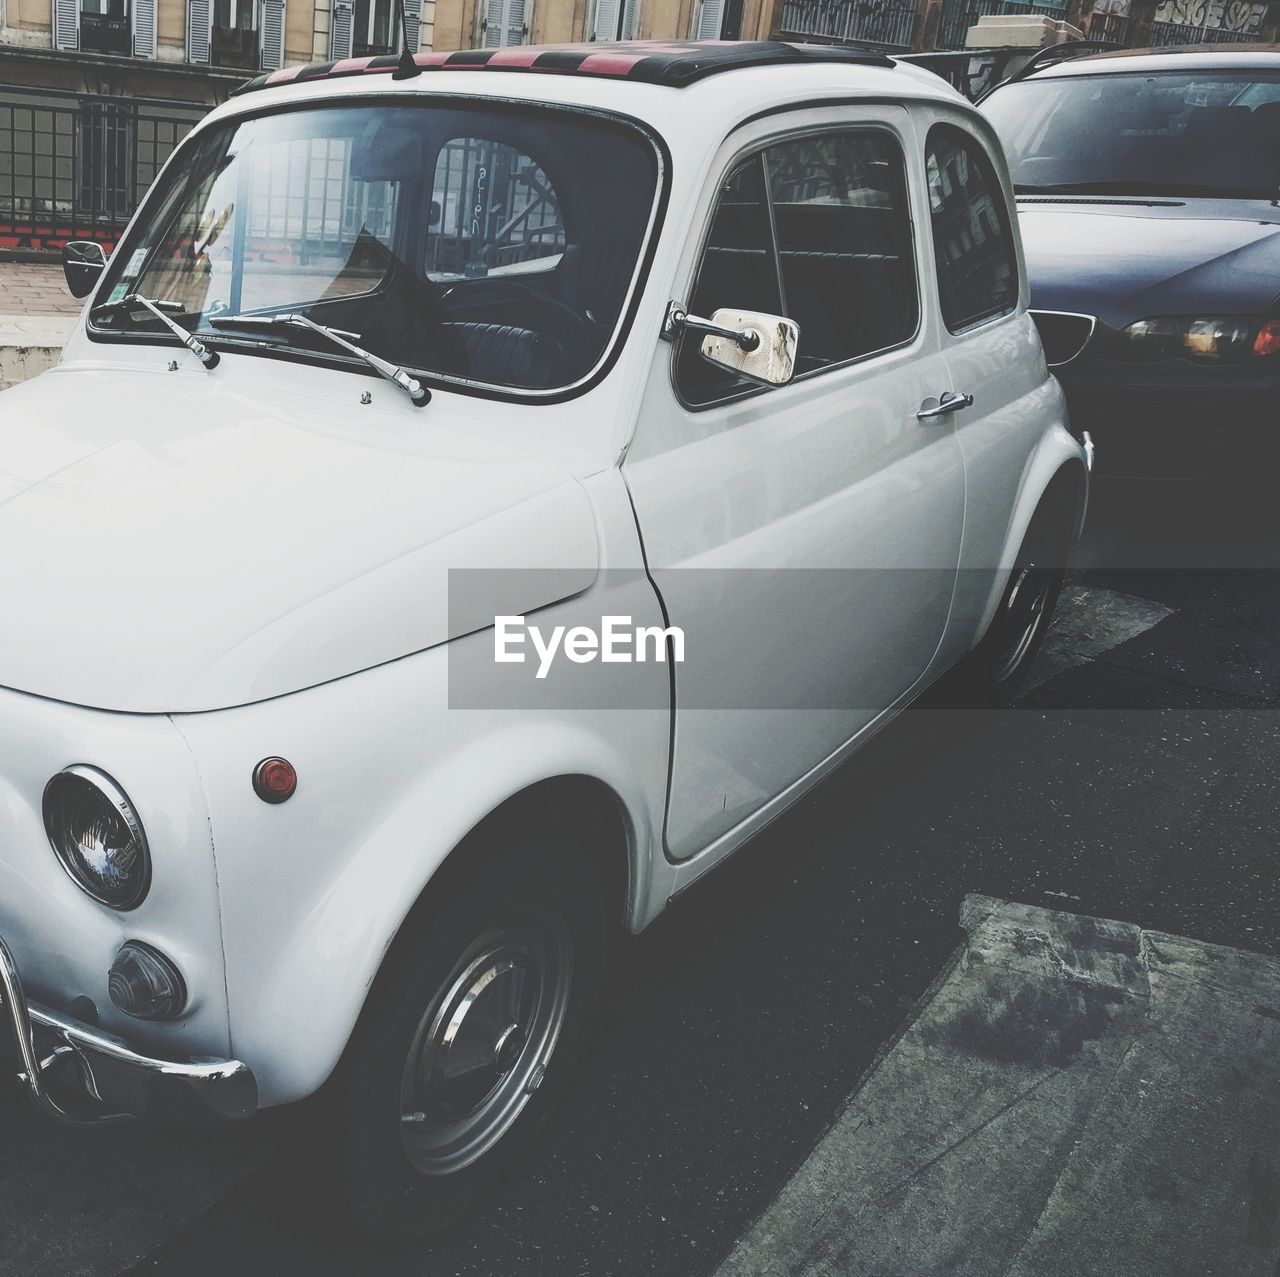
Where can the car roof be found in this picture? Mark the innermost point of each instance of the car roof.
(1180, 58)
(674, 64)
(681, 100)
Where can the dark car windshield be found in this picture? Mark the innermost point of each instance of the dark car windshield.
(1186, 133)
(483, 242)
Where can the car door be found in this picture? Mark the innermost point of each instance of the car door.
(805, 538)
(989, 342)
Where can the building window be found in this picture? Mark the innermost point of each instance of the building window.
(235, 34)
(377, 26)
(103, 191)
(104, 27)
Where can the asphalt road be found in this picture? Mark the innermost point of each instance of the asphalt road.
(1135, 782)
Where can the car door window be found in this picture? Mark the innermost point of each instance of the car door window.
(738, 269)
(972, 236)
(817, 229)
(844, 240)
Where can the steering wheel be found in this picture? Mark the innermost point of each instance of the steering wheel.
(505, 285)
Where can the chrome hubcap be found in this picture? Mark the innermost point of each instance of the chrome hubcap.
(1021, 614)
(482, 1046)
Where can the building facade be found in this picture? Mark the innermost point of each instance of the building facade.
(94, 94)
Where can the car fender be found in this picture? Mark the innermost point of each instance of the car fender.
(390, 781)
(1058, 452)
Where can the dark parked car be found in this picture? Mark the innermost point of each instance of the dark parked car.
(1148, 188)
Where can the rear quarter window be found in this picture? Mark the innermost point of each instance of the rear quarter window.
(972, 232)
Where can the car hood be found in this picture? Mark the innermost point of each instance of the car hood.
(1126, 261)
(172, 544)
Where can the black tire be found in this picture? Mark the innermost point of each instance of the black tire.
(993, 673)
(504, 885)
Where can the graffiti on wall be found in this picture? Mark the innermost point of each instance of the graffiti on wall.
(1239, 16)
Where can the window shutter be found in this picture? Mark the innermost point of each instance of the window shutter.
(340, 33)
(495, 17)
(198, 30)
(606, 24)
(412, 23)
(710, 17)
(66, 24)
(629, 8)
(144, 28)
(515, 22)
(272, 34)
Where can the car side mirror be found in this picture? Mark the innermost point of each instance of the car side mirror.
(83, 262)
(750, 343)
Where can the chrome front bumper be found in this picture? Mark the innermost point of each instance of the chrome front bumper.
(78, 1074)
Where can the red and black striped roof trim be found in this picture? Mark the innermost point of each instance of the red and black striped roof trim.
(674, 64)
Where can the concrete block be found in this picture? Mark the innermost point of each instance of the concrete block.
(29, 345)
(1013, 31)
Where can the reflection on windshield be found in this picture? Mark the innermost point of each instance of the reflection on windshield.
(475, 243)
(1188, 133)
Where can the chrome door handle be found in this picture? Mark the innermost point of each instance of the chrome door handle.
(950, 402)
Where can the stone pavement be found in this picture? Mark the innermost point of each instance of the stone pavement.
(1075, 1096)
(28, 289)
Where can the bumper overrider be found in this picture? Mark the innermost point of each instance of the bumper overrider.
(81, 1075)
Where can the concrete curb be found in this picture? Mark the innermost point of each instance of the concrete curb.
(30, 344)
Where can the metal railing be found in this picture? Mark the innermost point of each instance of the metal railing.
(100, 34)
(495, 207)
(1167, 33)
(235, 47)
(75, 165)
(971, 73)
(959, 15)
(885, 22)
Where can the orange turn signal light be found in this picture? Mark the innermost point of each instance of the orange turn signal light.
(1267, 342)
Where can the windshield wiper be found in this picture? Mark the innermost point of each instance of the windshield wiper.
(1137, 190)
(210, 358)
(412, 387)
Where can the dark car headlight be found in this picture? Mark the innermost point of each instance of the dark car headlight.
(1202, 338)
(97, 836)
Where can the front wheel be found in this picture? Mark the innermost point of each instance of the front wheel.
(469, 1037)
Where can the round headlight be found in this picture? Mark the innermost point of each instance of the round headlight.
(97, 836)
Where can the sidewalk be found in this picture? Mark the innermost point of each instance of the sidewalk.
(1075, 1096)
(27, 289)
(36, 313)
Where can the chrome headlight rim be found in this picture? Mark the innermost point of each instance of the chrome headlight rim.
(115, 795)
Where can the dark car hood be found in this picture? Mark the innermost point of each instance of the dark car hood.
(1125, 261)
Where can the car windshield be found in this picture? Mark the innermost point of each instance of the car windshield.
(1180, 133)
(483, 242)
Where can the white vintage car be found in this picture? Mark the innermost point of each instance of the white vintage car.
(409, 393)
